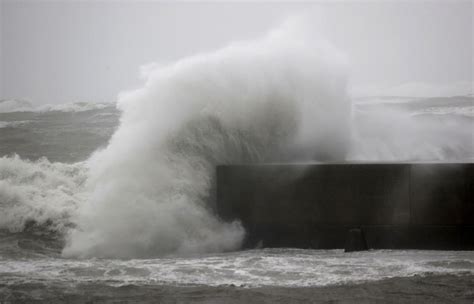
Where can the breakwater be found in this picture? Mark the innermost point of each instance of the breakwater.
(323, 206)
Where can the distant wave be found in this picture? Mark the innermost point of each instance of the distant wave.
(416, 89)
(11, 106)
(15, 105)
(452, 105)
(461, 111)
(74, 107)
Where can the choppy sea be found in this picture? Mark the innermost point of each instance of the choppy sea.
(41, 148)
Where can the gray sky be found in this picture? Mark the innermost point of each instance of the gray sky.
(67, 51)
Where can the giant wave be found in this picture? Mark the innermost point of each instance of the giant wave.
(249, 102)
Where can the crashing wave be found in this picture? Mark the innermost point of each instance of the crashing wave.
(257, 101)
(39, 194)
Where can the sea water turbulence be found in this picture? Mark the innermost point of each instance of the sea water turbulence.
(280, 98)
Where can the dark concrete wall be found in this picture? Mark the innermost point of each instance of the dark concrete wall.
(426, 206)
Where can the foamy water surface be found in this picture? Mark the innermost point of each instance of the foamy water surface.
(253, 268)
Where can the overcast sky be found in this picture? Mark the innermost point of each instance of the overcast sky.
(67, 51)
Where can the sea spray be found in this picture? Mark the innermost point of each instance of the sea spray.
(256, 101)
(384, 133)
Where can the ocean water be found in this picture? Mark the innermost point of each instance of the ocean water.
(43, 182)
(114, 195)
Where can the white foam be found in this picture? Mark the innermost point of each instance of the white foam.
(269, 267)
(250, 102)
(14, 124)
(42, 192)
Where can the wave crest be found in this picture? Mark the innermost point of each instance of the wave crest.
(257, 101)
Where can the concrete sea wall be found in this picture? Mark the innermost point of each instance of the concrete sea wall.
(419, 206)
